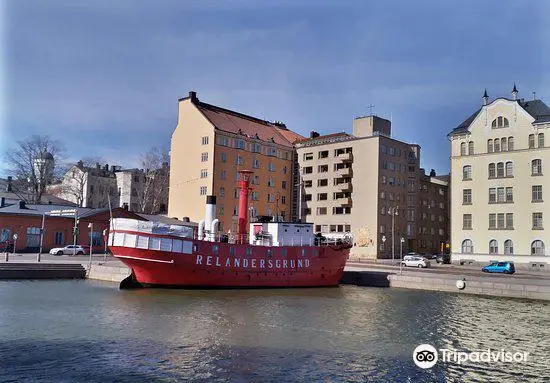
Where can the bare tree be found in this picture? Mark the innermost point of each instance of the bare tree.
(154, 190)
(34, 163)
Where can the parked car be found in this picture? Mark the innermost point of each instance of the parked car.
(415, 261)
(443, 258)
(499, 267)
(68, 250)
(430, 256)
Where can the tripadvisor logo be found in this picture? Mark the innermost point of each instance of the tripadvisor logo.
(426, 356)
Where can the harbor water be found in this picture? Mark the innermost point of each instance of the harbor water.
(83, 331)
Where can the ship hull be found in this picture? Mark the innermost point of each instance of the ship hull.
(233, 266)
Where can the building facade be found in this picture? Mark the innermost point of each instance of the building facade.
(500, 203)
(210, 145)
(143, 191)
(371, 186)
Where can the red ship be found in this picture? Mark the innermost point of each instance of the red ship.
(275, 254)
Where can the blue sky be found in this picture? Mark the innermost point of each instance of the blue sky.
(105, 76)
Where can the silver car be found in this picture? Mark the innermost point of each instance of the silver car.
(68, 250)
(415, 261)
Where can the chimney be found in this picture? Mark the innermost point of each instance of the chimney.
(432, 173)
(193, 96)
(313, 134)
(485, 97)
(97, 166)
(106, 167)
(186, 219)
(515, 92)
(22, 205)
(125, 206)
(80, 164)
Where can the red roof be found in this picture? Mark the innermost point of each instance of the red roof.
(234, 122)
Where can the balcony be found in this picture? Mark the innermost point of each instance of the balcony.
(346, 186)
(345, 157)
(344, 201)
(345, 172)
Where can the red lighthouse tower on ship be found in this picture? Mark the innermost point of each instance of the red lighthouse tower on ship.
(269, 254)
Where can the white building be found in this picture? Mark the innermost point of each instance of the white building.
(500, 199)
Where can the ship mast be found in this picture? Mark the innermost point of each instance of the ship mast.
(244, 185)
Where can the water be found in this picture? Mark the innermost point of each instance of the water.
(81, 331)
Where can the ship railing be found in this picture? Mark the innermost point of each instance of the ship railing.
(301, 241)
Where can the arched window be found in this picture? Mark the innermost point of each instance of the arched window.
(510, 143)
(508, 247)
(531, 141)
(541, 140)
(537, 247)
(509, 169)
(493, 246)
(467, 246)
(471, 147)
(500, 170)
(467, 172)
(497, 145)
(536, 167)
(500, 122)
(503, 144)
(489, 146)
(462, 148)
(492, 171)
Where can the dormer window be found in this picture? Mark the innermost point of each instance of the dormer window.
(500, 122)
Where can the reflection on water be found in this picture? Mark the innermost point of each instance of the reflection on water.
(74, 331)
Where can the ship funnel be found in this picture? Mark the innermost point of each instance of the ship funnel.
(244, 187)
(209, 216)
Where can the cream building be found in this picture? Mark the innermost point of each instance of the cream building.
(210, 145)
(500, 204)
(365, 183)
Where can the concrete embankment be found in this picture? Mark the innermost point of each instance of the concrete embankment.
(490, 285)
(42, 271)
(111, 273)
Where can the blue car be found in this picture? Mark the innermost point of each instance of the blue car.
(499, 267)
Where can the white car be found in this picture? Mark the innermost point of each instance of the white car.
(415, 261)
(68, 250)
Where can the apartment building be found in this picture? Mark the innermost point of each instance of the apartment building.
(369, 184)
(500, 203)
(144, 191)
(210, 145)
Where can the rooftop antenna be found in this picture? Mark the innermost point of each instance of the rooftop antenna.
(370, 109)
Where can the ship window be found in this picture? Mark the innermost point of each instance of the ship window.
(248, 251)
(177, 245)
(165, 244)
(303, 252)
(231, 250)
(130, 240)
(195, 247)
(269, 252)
(215, 249)
(284, 252)
(154, 243)
(142, 242)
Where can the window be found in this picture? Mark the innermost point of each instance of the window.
(500, 170)
(256, 148)
(203, 190)
(492, 195)
(134, 192)
(470, 148)
(500, 221)
(58, 238)
(307, 197)
(272, 152)
(223, 175)
(537, 221)
(283, 170)
(341, 210)
(490, 146)
(509, 220)
(536, 167)
(322, 182)
(322, 168)
(270, 182)
(224, 141)
(222, 192)
(537, 247)
(510, 143)
(536, 193)
(96, 238)
(509, 169)
(308, 169)
(239, 160)
(467, 246)
(541, 140)
(509, 194)
(308, 184)
(308, 156)
(283, 200)
(322, 196)
(235, 210)
(270, 197)
(492, 170)
(500, 122)
(492, 221)
(283, 184)
(254, 196)
(466, 221)
(467, 196)
(204, 157)
(256, 163)
(323, 154)
(224, 157)
(271, 167)
(462, 148)
(321, 211)
(508, 247)
(497, 145)
(205, 140)
(467, 173)
(531, 141)
(503, 144)
(500, 195)
(204, 173)
(239, 143)
(493, 246)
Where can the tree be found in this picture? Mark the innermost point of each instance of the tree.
(154, 191)
(34, 163)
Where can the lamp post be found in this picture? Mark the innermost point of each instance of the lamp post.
(75, 232)
(105, 240)
(15, 236)
(91, 227)
(401, 263)
(41, 237)
(384, 242)
(393, 211)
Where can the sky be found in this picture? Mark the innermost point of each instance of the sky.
(104, 76)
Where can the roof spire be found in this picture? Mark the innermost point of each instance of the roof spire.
(515, 92)
(485, 97)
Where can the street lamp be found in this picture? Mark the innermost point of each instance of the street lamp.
(384, 242)
(91, 227)
(41, 237)
(393, 211)
(15, 236)
(401, 263)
